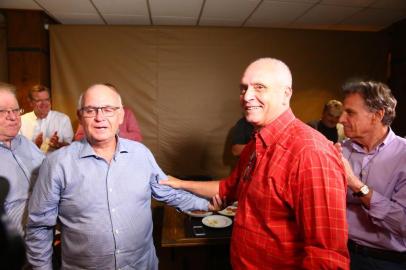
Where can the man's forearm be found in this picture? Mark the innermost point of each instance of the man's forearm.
(206, 189)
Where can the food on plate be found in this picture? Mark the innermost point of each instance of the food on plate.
(229, 211)
(212, 222)
(199, 212)
(217, 221)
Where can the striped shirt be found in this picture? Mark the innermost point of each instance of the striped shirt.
(104, 208)
(19, 165)
(290, 186)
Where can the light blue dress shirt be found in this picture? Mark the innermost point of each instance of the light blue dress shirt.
(104, 209)
(19, 165)
(383, 169)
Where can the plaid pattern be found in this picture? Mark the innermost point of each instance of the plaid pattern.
(291, 210)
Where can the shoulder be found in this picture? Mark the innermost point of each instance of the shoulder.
(301, 137)
(59, 115)
(398, 147)
(132, 146)
(314, 123)
(28, 116)
(28, 146)
(68, 152)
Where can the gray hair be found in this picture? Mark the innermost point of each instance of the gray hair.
(377, 96)
(109, 85)
(9, 88)
(334, 107)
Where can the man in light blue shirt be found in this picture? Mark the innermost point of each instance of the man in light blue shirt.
(100, 189)
(20, 159)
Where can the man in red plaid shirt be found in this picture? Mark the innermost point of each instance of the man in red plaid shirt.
(290, 183)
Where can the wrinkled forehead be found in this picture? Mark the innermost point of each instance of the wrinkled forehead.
(7, 98)
(101, 95)
(268, 73)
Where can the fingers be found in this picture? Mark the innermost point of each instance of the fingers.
(217, 203)
(338, 147)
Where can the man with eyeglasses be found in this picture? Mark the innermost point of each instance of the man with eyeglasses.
(20, 159)
(100, 189)
(48, 129)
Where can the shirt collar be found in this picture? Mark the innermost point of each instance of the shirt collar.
(15, 142)
(271, 132)
(388, 139)
(87, 149)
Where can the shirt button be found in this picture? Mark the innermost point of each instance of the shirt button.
(117, 251)
(116, 231)
(113, 210)
(111, 190)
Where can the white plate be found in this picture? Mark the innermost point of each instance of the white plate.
(217, 221)
(205, 214)
(229, 211)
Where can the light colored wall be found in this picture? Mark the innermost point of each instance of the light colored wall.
(182, 82)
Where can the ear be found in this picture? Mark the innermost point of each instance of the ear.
(378, 115)
(287, 94)
(121, 116)
(79, 116)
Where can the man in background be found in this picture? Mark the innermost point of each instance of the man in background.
(289, 183)
(375, 161)
(242, 134)
(20, 159)
(48, 129)
(100, 190)
(328, 124)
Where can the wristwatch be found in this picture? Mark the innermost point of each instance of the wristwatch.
(363, 191)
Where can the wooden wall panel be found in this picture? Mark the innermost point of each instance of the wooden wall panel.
(27, 51)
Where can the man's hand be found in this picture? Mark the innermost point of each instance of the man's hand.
(39, 140)
(54, 140)
(353, 182)
(217, 204)
(172, 182)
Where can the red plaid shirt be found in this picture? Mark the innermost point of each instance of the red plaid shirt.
(290, 186)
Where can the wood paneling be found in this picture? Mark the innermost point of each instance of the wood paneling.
(27, 51)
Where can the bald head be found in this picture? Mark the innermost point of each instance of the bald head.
(266, 89)
(276, 69)
(99, 87)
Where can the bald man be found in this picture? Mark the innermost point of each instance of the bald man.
(100, 189)
(289, 182)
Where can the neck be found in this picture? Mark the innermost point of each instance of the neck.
(6, 142)
(105, 150)
(40, 116)
(369, 143)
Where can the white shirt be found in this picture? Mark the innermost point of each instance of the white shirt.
(31, 126)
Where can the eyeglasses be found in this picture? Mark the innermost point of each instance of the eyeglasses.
(45, 100)
(250, 167)
(107, 111)
(15, 112)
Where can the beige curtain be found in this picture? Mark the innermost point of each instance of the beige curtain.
(182, 82)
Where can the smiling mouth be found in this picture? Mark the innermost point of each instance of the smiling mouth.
(251, 108)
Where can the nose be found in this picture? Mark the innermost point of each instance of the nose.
(248, 94)
(99, 115)
(341, 119)
(11, 115)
